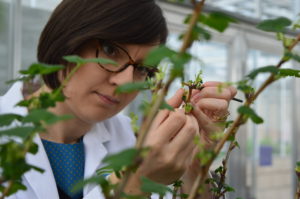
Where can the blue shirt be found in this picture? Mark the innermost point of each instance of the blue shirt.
(67, 163)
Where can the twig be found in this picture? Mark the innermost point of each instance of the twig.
(7, 189)
(154, 110)
(235, 126)
(188, 35)
(224, 170)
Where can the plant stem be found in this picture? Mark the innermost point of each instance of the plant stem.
(7, 189)
(154, 110)
(67, 79)
(224, 170)
(232, 130)
(188, 35)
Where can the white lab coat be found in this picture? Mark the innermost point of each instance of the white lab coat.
(106, 137)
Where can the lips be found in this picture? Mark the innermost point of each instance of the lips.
(108, 99)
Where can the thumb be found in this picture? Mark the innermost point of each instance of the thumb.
(176, 100)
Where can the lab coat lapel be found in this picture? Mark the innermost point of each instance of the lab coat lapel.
(43, 184)
(95, 151)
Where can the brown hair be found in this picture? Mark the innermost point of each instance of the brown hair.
(74, 22)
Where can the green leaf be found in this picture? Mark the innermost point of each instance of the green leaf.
(33, 148)
(148, 186)
(16, 186)
(7, 119)
(286, 72)
(156, 55)
(217, 21)
(188, 108)
(22, 132)
(78, 60)
(245, 87)
(295, 57)
(41, 69)
(132, 87)
(122, 159)
(266, 69)
(274, 25)
(98, 180)
(178, 183)
(104, 171)
(38, 115)
(250, 113)
(178, 64)
(165, 105)
(229, 189)
(200, 33)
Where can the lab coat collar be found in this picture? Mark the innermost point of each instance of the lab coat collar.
(44, 185)
(95, 151)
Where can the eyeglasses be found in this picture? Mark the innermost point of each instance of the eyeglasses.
(112, 51)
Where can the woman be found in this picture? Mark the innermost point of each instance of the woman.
(124, 31)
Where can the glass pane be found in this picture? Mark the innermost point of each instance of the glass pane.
(5, 70)
(210, 57)
(35, 15)
(269, 144)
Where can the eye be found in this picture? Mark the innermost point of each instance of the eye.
(110, 50)
(141, 70)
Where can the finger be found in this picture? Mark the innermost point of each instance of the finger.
(160, 117)
(176, 100)
(232, 89)
(185, 137)
(211, 84)
(205, 123)
(213, 92)
(171, 125)
(217, 106)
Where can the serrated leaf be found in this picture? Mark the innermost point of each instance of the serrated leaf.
(288, 72)
(217, 21)
(7, 119)
(274, 25)
(22, 132)
(178, 64)
(41, 69)
(79, 60)
(132, 87)
(250, 113)
(148, 186)
(156, 55)
(16, 186)
(266, 69)
(39, 115)
(122, 159)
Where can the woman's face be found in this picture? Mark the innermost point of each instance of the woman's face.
(90, 94)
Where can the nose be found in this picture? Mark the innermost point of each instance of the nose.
(123, 77)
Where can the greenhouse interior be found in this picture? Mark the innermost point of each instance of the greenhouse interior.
(263, 166)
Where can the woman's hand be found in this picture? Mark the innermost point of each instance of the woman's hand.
(210, 108)
(171, 142)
